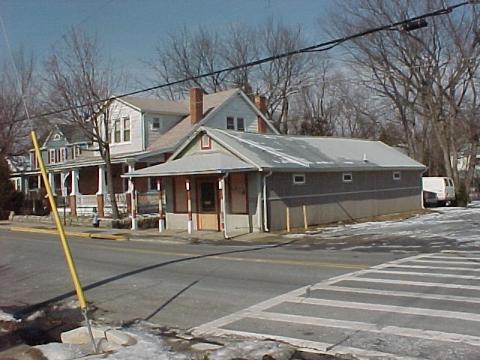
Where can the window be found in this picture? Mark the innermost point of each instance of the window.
(33, 160)
(298, 179)
(205, 142)
(230, 123)
(126, 129)
(347, 177)
(116, 131)
(180, 194)
(397, 175)
(56, 137)
(238, 193)
(240, 124)
(156, 124)
(51, 156)
(63, 154)
(152, 183)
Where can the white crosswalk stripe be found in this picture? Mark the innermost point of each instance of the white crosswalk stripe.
(370, 315)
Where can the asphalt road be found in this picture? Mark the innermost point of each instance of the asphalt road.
(392, 290)
(182, 285)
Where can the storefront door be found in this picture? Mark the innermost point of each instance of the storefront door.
(208, 207)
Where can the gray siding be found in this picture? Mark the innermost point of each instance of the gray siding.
(328, 199)
(236, 107)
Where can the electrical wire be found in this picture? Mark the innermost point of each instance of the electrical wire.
(325, 46)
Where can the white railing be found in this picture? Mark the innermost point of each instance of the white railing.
(86, 201)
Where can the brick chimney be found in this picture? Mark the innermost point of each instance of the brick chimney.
(196, 105)
(261, 104)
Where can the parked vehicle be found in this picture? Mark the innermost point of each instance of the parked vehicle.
(443, 187)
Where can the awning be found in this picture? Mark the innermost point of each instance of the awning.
(197, 164)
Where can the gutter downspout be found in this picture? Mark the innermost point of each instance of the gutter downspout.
(224, 206)
(265, 217)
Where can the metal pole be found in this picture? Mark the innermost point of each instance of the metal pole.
(63, 239)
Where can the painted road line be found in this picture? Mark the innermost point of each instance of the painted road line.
(431, 335)
(206, 256)
(415, 295)
(387, 308)
(416, 273)
(432, 267)
(68, 233)
(452, 257)
(308, 344)
(414, 283)
(460, 252)
(445, 262)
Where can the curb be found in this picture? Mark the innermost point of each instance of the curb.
(69, 233)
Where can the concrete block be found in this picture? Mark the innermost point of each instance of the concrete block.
(118, 337)
(205, 347)
(80, 335)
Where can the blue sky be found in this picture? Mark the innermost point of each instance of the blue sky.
(131, 29)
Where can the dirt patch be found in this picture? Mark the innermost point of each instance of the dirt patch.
(41, 327)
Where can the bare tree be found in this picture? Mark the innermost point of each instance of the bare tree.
(189, 54)
(427, 74)
(78, 74)
(15, 84)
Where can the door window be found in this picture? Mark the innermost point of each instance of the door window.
(207, 197)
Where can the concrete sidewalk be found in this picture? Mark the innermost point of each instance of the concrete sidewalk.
(152, 234)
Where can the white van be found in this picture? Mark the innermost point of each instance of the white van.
(442, 186)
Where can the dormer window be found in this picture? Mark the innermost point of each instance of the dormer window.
(240, 124)
(230, 123)
(235, 123)
(156, 124)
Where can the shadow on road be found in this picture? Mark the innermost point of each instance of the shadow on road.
(35, 307)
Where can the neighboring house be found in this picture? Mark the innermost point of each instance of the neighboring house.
(143, 132)
(238, 181)
(63, 144)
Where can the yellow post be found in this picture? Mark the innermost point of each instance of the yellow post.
(288, 219)
(60, 229)
(305, 217)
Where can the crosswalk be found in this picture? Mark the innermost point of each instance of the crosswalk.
(425, 306)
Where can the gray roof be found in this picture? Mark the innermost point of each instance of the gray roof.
(306, 153)
(208, 162)
(73, 133)
(181, 130)
(157, 105)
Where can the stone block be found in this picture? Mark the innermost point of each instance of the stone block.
(119, 337)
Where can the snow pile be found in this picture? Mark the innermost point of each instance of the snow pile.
(59, 351)
(7, 317)
(253, 349)
(147, 347)
(459, 224)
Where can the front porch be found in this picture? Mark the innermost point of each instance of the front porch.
(208, 192)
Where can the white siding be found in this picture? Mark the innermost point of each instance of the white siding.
(119, 110)
(235, 107)
(166, 122)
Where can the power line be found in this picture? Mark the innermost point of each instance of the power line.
(309, 49)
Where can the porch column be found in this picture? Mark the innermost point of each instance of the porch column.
(102, 185)
(51, 180)
(189, 206)
(161, 223)
(131, 186)
(223, 205)
(74, 193)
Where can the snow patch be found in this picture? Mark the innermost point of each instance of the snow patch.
(7, 317)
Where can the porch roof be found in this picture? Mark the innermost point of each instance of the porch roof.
(210, 162)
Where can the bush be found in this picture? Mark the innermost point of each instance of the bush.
(10, 199)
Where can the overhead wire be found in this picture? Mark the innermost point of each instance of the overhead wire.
(325, 46)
